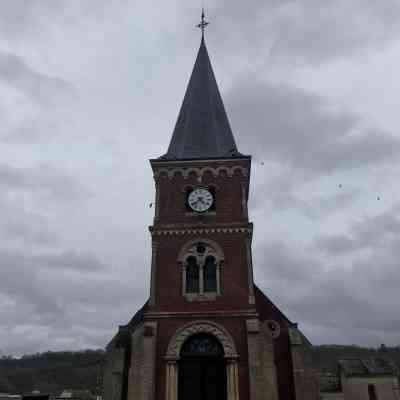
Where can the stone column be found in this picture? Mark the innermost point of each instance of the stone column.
(232, 379)
(305, 381)
(183, 268)
(250, 271)
(218, 277)
(262, 372)
(154, 248)
(201, 277)
(244, 200)
(253, 350)
(171, 384)
(157, 205)
(142, 372)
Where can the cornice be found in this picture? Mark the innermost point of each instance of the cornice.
(170, 171)
(159, 162)
(252, 313)
(182, 229)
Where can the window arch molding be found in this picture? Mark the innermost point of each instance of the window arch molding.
(185, 250)
(203, 326)
(206, 283)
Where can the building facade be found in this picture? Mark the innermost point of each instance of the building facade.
(207, 331)
(362, 379)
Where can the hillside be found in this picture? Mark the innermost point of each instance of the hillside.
(51, 372)
(325, 356)
(54, 371)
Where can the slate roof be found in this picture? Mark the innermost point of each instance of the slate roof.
(122, 338)
(266, 308)
(202, 130)
(368, 366)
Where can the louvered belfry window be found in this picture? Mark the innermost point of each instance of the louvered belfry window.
(192, 276)
(210, 275)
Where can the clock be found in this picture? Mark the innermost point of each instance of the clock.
(200, 199)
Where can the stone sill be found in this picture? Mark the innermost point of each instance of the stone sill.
(201, 214)
(211, 296)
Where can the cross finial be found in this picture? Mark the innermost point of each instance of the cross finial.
(203, 24)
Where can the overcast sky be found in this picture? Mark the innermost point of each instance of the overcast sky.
(91, 89)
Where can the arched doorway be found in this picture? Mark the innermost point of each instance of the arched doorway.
(202, 369)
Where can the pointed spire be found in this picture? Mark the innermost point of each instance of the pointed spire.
(202, 129)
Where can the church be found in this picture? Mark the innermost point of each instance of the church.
(206, 332)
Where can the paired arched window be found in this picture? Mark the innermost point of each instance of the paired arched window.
(201, 270)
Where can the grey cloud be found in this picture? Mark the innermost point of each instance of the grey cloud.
(67, 300)
(23, 275)
(19, 280)
(279, 262)
(42, 179)
(382, 267)
(281, 193)
(371, 232)
(338, 296)
(378, 229)
(22, 226)
(21, 18)
(29, 232)
(42, 88)
(307, 30)
(81, 262)
(336, 244)
(299, 130)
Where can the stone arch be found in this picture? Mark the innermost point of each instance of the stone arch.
(186, 247)
(193, 328)
(163, 172)
(209, 169)
(195, 170)
(239, 168)
(175, 172)
(226, 169)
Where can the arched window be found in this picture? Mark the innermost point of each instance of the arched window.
(202, 345)
(201, 263)
(192, 276)
(210, 275)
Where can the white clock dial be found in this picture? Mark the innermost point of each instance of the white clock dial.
(200, 200)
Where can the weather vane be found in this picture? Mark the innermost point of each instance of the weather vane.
(203, 24)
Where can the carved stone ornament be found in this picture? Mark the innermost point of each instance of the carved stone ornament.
(199, 231)
(199, 171)
(211, 248)
(193, 328)
(274, 328)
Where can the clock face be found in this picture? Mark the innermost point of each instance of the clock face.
(200, 200)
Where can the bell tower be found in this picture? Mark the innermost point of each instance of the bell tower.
(201, 233)
(201, 236)
(206, 332)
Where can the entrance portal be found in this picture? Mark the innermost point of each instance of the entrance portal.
(202, 369)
